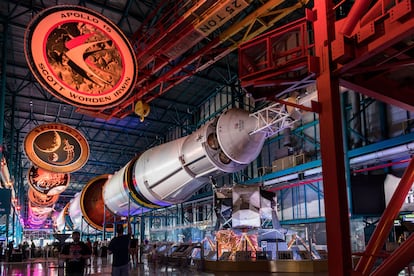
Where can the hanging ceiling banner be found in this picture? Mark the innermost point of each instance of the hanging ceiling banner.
(81, 57)
(41, 200)
(47, 182)
(56, 147)
(5, 201)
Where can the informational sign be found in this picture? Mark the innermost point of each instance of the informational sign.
(5, 201)
(56, 148)
(219, 15)
(80, 57)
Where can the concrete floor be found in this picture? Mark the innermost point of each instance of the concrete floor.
(102, 266)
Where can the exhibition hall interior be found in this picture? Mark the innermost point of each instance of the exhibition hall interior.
(265, 137)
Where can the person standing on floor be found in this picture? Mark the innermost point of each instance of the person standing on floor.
(133, 250)
(142, 249)
(89, 244)
(10, 248)
(75, 255)
(119, 248)
(32, 249)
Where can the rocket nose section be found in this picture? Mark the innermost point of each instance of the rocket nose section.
(233, 133)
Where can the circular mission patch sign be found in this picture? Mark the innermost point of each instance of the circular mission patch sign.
(47, 182)
(80, 57)
(56, 147)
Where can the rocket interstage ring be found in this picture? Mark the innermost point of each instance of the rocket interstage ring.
(92, 204)
(119, 194)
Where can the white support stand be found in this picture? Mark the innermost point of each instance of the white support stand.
(272, 119)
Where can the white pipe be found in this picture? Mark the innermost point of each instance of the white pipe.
(363, 159)
(382, 154)
(293, 176)
(313, 171)
(281, 179)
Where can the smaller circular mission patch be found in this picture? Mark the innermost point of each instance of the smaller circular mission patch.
(56, 147)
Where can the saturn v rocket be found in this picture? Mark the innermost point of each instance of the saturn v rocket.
(166, 174)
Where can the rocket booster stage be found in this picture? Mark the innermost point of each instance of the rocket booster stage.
(172, 172)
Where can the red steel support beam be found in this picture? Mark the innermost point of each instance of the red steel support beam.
(384, 226)
(355, 14)
(334, 184)
(384, 90)
(399, 259)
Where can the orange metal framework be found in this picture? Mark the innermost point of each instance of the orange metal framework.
(332, 152)
(374, 56)
(282, 59)
(371, 50)
(368, 52)
(178, 31)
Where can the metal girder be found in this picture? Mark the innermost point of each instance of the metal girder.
(272, 119)
(280, 60)
(384, 90)
(152, 83)
(398, 260)
(332, 150)
(378, 238)
(375, 55)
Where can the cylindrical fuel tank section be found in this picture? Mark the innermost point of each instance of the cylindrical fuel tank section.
(86, 212)
(172, 172)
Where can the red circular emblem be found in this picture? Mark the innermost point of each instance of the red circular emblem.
(80, 57)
